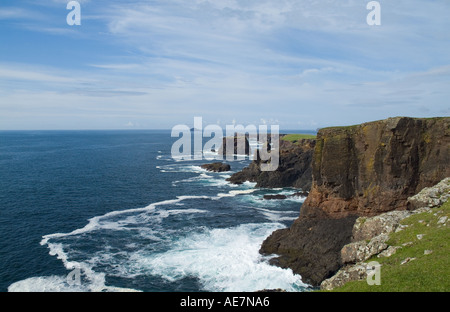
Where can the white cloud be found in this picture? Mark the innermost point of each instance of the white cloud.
(292, 61)
(8, 13)
(8, 72)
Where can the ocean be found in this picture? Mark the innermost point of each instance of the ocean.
(112, 211)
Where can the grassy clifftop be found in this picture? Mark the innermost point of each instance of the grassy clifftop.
(297, 137)
(422, 264)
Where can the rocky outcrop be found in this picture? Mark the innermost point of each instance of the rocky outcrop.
(276, 196)
(282, 196)
(359, 171)
(294, 169)
(431, 196)
(241, 146)
(216, 167)
(345, 275)
(371, 234)
(310, 247)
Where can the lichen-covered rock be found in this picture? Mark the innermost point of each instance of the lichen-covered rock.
(368, 227)
(374, 167)
(363, 250)
(391, 250)
(431, 196)
(345, 275)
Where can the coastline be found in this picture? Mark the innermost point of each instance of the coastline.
(359, 171)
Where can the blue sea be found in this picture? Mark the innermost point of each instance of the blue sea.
(112, 211)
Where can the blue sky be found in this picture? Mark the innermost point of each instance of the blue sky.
(300, 64)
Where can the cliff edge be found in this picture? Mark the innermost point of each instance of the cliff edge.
(361, 170)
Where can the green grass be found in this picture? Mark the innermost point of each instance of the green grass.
(296, 137)
(427, 273)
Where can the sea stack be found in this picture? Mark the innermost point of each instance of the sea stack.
(241, 146)
(294, 169)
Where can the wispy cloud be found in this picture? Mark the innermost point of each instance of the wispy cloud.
(297, 62)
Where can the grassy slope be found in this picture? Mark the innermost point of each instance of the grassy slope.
(427, 273)
(295, 137)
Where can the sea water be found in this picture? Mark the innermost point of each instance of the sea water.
(112, 211)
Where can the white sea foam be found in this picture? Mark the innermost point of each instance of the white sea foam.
(249, 184)
(299, 199)
(205, 177)
(57, 283)
(233, 193)
(222, 259)
(101, 222)
(278, 216)
(45, 284)
(181, 168)
(96, 281)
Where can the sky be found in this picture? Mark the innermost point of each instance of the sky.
(299, 64)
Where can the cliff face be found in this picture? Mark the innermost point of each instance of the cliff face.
(361, 170)
(294, 169)
(374, 167)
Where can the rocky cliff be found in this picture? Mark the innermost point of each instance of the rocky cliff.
(360, 170)
(294, 169)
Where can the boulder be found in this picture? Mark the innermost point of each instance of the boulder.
(345, 275)
(431, 196)
(365, 228)
(276, 196)
(216, 167)
(362, 250)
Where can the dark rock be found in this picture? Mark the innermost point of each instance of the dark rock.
(310, 247)
(281, 196)
(299, 194)
(240, 142)
(216, 167)
(277, 196)
(294, 169)
(272, 290)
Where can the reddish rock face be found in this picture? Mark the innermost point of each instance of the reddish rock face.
(361, 170)
(374, 167)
